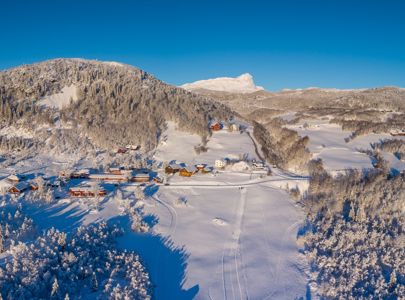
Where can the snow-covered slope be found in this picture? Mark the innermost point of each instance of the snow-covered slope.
(327, 141)
(241, 84)
(62, 99)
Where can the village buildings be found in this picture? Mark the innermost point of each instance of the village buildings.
(87, 191)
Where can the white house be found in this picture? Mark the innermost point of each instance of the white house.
(220, 163)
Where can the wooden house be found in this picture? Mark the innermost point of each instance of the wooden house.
(141, 177)
(157, 179)
(19, 188)
(215, 126)
(206, 170)
(84, 173)
(172, 168)
(188, 171)
(87, 191)
(116, 171)
(132, 147)
(258, 165)
(122, 150)
(65, 174)
(200, 166)
(33, 186)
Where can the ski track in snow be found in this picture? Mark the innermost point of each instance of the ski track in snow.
(232, 259)
(173, 214)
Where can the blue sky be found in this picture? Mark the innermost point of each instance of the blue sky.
(283, 44)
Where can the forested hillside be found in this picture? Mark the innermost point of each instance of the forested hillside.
(113, 105)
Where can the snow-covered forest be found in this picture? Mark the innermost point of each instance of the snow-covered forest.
(354, 235)
(107, 97)
(56, 265)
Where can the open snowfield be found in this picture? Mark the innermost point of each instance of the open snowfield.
(240, 243)
(62, 99)
(179, 145)
(326, 141)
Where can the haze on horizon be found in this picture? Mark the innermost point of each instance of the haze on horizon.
(338, 44)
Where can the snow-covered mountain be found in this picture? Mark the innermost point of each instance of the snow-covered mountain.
(241, 84)
(102, 99)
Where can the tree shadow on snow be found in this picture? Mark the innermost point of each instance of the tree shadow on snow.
(59, 216)
(165, 262)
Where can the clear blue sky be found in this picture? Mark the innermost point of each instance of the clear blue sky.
(283, 44)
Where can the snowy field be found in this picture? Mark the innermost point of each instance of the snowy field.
(239, 243)
(327, 141)
(179, 145)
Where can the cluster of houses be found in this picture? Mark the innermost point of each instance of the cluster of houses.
(255, 165)
(397, 132)
(117, 175)
(189, 170)
(17, 184)
(128, 148)
(225, 125)
(185, 170)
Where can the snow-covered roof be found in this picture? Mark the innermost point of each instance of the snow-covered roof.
(14, 177)
(21, 186)
(86, 188)
(190, 169)
(108, 176)
(141, 175)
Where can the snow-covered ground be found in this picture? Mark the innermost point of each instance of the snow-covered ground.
(327, 141)
(239, 243)
(12, 131)
(62, 99)
(179, 145)
(228, 235)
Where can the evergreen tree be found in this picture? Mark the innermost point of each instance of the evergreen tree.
(1, 240)
(55, 288)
